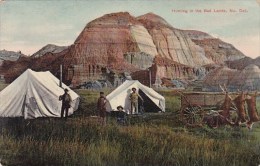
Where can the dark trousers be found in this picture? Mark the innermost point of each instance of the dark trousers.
(66, 109)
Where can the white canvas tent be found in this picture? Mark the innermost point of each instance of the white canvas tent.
(34, 94)
(120, 96)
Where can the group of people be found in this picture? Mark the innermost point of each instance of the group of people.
(101, 106)
(240, 101)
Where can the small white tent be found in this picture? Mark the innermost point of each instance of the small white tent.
(153, 101)
(34, 94)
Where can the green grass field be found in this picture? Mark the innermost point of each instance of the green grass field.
(151, 139)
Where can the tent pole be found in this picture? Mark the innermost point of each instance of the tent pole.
(61, 76)
(150, 78)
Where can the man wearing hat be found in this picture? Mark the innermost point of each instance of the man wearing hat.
(134, 101)
(101, 106)
(66, 100)
(121, 116)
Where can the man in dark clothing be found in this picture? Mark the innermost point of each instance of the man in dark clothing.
(121, 116)
(66, 100)
(101, 106)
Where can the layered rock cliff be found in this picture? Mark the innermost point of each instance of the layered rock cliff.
(218, 51)
(172, 43)
(120, 42)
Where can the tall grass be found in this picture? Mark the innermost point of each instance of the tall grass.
(172, 100)
(151, 139)
(85, 142)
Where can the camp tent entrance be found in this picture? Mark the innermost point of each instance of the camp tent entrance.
(153, 101)
(148, 105)
(34, 94)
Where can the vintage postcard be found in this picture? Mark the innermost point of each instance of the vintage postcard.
(129, 82)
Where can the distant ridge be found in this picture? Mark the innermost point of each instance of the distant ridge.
(50, 48)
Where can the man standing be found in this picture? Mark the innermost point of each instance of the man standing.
(134, 101)
(66, 100)
(101, 106)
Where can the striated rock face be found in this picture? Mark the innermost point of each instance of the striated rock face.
(104, 41)
(102, 44)
(114, 41)
(118, 42)
(143, 40)
(219, 51)
(172, 43)
(140, 60)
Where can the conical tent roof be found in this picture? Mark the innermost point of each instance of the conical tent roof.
(34, 94)
(120, 96)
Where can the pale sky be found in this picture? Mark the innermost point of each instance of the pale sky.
(28, 25)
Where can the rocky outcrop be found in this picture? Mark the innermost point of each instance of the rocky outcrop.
(172, 43)
(143, 40)
(218, 51)
(50, 48)
(240, 64)
(9, 56)
(140, 60)
(102, 44)
(118, 42)
(247, 79)
(197, 35)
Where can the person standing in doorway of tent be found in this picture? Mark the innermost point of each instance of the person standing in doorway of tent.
(134, 101)
(101, 106)
(66, 100)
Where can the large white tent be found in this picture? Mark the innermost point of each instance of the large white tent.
(34, 94)
(153, 101)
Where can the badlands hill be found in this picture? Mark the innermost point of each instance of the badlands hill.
(49, 48)
(242, 63)
(9, 56)
(119, 42)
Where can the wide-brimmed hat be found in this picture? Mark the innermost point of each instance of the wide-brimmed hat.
(66, 90)
(119, 107)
